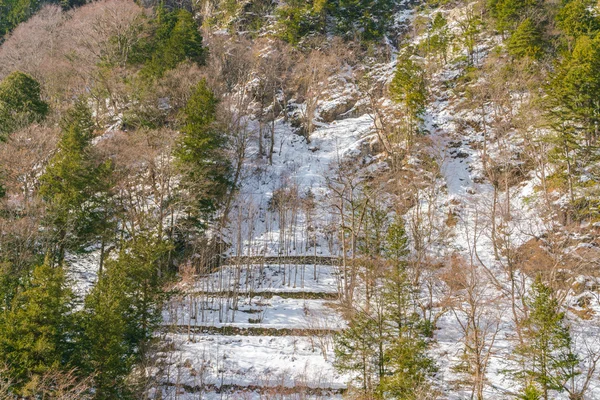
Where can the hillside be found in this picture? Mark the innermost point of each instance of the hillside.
(356, 199)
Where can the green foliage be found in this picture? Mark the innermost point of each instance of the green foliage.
(385, 344)
(509, 13)
(531, 393)
(20, 102)
(439, 37)
(363, 19)
(120, 315)
(35, 332)
(526, 41)
(74, 187)
(409, 368)
(576, 19)
(575, 89)
(409, 89)
(173, 38)
(199, 154)
(409, 86)
(366, 20)
(547, 356)
(297, 19)
(573, 113)
(13, 12)
(397, 242)
(360, 348)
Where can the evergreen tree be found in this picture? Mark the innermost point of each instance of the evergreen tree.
(104, 349)
(408, 86)
(547, 356)
(174, 38)
(409, 369)
(20, 103)
(409, 365)
(576, 18)
(509, 13)
(573, 105)
(35, 334)
(409, 89)
(440, 36)
(297, 19)
(526, 41)
(120, 315)
(13, 12)
(74, 186)
(360, 348)
(385, 342)
(364, 19)
(575, 88)
(200, 155)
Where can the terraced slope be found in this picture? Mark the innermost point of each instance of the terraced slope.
(253, 331)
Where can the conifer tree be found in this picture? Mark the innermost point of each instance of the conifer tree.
(440, 38)
(200, 155)
(509, 13)
(363, 19)
(74, 186)
(20, 103)
(546, 354)
(360, 348)
(573, 106)
(409, 89)
(175, 38)
(576, 18)
(526, 41)
(409, 366)
(36, 331)
(385, 343)
(575, 89)
(297, 19)
(121, 313)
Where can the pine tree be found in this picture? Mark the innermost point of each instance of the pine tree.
(409, 89)
(508, 13)
(531, 392)
(105, 350)
(121, 313)
(363, 19)
(547, 356)
(200, 155)
(385, 343)
(36, 330)
(174, 38)
(576, 18)
(360, 348)
(409, 366)
(526, 41)
(440, 37)
(575, 88)
(20, 103)
(75, 187)
(573, 112)
(299, 19)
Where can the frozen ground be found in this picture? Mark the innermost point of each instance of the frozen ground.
(235, 295)
(255, 361)
(271, 278)
(253, 312)
(301, 169)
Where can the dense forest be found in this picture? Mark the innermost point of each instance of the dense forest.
(300, 199)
